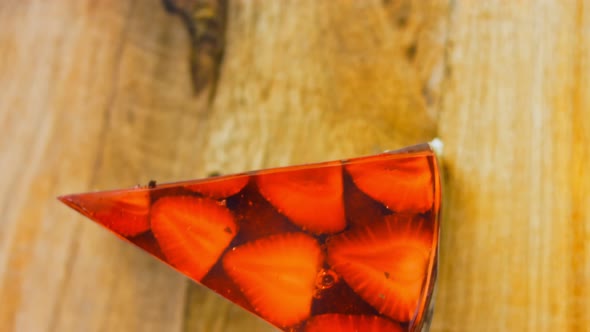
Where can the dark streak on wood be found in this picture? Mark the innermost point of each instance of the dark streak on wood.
(205, 21)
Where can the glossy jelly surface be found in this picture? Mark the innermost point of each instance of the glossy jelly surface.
(339, 246)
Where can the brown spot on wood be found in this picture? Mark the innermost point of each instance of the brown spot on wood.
(205, 21)
(411, 51)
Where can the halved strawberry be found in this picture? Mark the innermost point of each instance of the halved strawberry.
(386, 263)
(310, 197)
(350, 323)
(192, 232)
(401, 184)
(222, 187)
(124, 212)
(277, 275)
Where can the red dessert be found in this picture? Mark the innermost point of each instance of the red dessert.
(310, 197)
(340, 246)
(277, 275)
(350, 323)
(192, 232)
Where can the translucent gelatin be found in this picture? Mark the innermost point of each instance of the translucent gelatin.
(339, 246)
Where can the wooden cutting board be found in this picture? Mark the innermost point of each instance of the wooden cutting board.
(98, 94)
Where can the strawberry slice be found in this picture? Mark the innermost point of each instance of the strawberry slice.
(192, 232)
(277, 275)
(310, 197)
(386, 263)
(350, 323)
(221, 187)
(124, 212)
(401, 184)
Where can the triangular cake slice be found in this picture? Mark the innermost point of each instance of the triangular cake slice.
(351, 243)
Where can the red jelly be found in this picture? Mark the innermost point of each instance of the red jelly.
(341, 246)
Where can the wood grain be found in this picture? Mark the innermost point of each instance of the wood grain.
(97, 94)
(515, 118)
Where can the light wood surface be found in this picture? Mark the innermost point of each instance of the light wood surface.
(97, 95)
